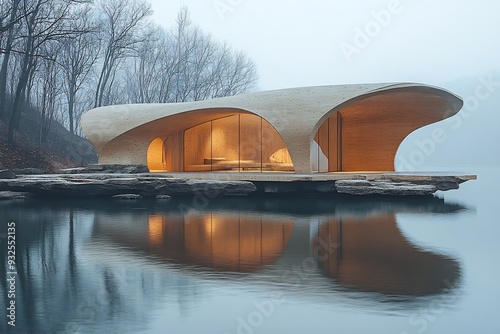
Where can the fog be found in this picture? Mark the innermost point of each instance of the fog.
(471, 138)
(449, 44)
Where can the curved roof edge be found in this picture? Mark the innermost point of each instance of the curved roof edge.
(105, 123)
(296, 113)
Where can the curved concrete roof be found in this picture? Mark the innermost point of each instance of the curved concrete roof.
(122, 133)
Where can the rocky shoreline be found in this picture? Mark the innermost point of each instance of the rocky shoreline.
(128, 182)
(110, 185)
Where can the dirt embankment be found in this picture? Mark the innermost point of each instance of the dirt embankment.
(61, 149)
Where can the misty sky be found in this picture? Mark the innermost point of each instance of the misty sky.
(299, 43)
(317, 42)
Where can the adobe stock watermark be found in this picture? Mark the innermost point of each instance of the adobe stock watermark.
(11, 274)
(223, 7)
(486, 88)
(262, 310)
(293, 277)
(201, 199)
(364, 35)
(421, 320)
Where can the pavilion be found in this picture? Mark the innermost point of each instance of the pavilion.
(344, 128)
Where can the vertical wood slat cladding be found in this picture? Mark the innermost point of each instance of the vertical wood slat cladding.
(366, 135)
(333, 144)
(225, 138)
(329, 140)
(323, 143)
(174, 149)
(251, 138)
(373, 129)
(197, 145)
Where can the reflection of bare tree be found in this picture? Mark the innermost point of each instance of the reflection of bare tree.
(72, 275)
(56, 291)
(25, 285)
(112, 292)
(72, 265)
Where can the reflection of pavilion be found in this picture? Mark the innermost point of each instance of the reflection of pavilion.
(90, 285)
(372, 254)
(228, 242)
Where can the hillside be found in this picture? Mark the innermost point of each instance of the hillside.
(60, 150)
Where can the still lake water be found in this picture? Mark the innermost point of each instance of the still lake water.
(300, 265)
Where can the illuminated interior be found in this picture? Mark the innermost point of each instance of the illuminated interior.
(365, 135)
(236, 242)
(237, 143)
(360, 136)
(155, 229)
(156, 155)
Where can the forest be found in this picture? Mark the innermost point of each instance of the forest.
(60, 58)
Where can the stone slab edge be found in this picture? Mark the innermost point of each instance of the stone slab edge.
(151, 185)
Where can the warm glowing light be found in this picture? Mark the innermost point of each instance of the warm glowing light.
(155, 229)
(281, 156)
(155, 155)
(240, 142)
(208, 226)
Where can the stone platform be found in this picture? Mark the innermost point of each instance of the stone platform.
(211, 185)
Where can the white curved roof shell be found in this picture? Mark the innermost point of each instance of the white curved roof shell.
(121, 134)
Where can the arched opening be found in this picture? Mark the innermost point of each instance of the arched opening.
(240, 142)
(156, 155)
(364, 136)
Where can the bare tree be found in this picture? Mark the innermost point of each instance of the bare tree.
(27, 64)
(79, 55)
(121, 23)
(184, 46)
(236, 75)
(151, 74)
(10, 13)
(63, 57)
(48, 89)
(186, 65)
(44, 21)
